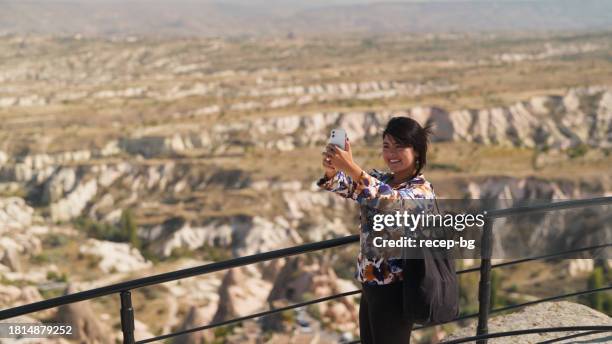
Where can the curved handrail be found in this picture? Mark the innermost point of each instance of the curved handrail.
(530, 259)
(354, 292)
(125, 287)
(546, 299)
(174, 275)
(560, 205)
(247, 317)
(575, 335)
(213, 267)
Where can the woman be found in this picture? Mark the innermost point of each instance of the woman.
(404, 151)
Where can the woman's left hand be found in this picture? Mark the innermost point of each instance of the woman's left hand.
(342, 159)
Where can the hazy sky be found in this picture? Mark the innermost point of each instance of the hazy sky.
(237, 17)
(296, 2)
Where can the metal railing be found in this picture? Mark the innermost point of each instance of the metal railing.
(127, 312)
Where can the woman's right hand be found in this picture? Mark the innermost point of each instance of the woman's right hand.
(330, 170)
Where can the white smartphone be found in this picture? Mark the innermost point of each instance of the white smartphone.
(338, 138)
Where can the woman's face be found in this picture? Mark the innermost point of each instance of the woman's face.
(398, 159)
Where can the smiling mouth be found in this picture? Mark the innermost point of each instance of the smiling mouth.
(394, 161)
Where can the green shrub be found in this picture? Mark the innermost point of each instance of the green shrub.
(127, 231)
(601, 301)
(181, 252)
(215, 254)
(578, 151)
(445, 167)
(288, 316)
(100, 230)
(56, 240)
(222, 332)
(129, 227)
(54, 276)
(41, 258)
(495, 285)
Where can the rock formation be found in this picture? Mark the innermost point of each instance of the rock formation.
(242, 292)
(87, 327)
(299, 280)
(194, 318)
(114, 256)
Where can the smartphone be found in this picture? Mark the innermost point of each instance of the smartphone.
(338, 138)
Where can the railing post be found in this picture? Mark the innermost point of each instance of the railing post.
(127, 317)
(484, 287)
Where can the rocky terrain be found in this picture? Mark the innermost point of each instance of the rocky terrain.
(549, 314)
(123, 158)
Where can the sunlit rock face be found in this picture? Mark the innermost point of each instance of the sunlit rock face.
(115, 257)
(581, 116)
(547, 232)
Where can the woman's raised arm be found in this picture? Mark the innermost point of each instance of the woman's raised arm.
(340, 184)
(379, 194)
(351, 181)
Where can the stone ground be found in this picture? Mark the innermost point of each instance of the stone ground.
(548, 314)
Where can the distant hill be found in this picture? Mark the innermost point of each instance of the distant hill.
(257, 17)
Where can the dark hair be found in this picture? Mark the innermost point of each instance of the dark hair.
(409, 133)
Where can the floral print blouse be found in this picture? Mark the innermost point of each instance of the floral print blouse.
(375, 196)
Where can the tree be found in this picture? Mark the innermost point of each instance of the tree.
(495, 285)
(596, 280)
(129, 228)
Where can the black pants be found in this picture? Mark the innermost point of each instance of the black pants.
(380, 315)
